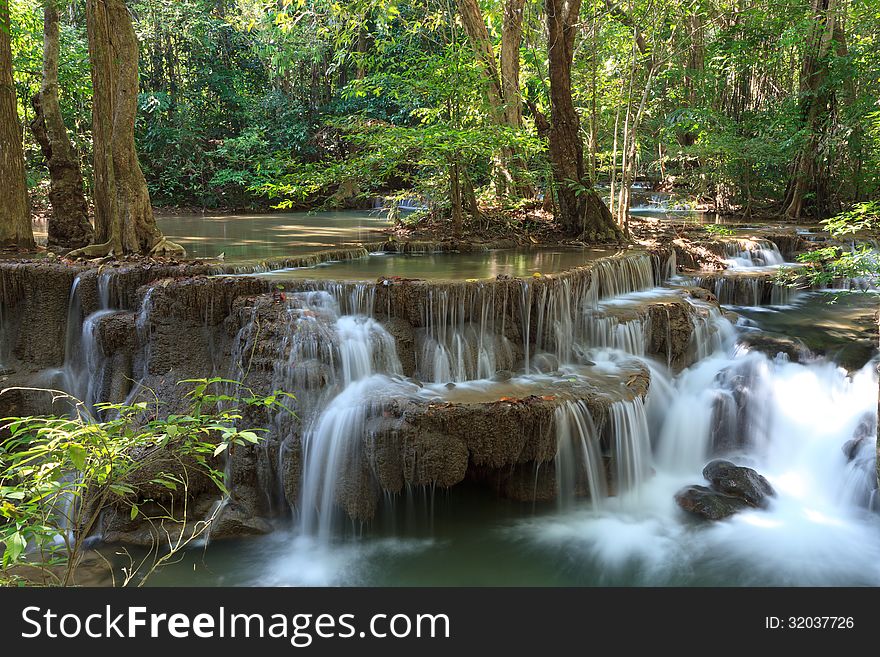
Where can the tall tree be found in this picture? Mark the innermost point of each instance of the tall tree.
(15, 220)
(124, 221)
(500, 86)
(816, 98)
(581, 211)
(69, 225)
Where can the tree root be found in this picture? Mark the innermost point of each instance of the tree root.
(93, 251)
(162, 247)
(166, 248)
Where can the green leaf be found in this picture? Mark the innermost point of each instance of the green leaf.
(134, 511)
(249, 436)
(77, 454)
(15, 545)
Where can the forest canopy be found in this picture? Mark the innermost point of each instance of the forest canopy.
(738, 106)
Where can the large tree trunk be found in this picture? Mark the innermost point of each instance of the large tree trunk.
(581, 211)
(816, 96)
(69, 225)
(500, 90)
(15, 219)
(124, 221)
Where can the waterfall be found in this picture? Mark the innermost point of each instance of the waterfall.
(460, 340)
(85, 373)
(608, 332)
(747, 289)
(685, 432)
(337, 365)
(670, 270)
(579, 463)
(625, 274)
(332, 444)
(565, 312)
(748, 253)
(630, 444)
(712, 331)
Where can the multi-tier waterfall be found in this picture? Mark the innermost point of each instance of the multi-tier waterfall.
(603, 389)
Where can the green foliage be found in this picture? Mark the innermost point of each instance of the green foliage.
(861, 217)
(57, 474)
(718, 230)
(830, 265)
(259, 101)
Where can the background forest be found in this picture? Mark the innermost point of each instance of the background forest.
(737, 105)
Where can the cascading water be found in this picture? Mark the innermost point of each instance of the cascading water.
(566, 318)
(609, 332)
(460, 340)
(751, 276)
(579, 463)
(630, 444)
(85, 372)
(808, 427)
(336, 364)
(748, 253)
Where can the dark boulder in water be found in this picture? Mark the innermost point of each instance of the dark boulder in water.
(502, 375)
(739, 481)
(708, 503)
(733, 488)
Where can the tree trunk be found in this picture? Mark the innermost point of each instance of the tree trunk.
(15, 218)
(511, 38)
(124, 221)
(501, 91)
(816, 97)
(581, 211)
(69, 225)
(455, 198)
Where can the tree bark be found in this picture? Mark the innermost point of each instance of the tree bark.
(511, 38)
(501, 90)
(581, 211)
(816, 97)
(15, 220)
(124, 221)
(455, 199)
(69, 225)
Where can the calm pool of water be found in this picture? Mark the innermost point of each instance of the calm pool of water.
(261, 236)
(443, 266)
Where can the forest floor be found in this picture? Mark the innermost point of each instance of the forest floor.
(534, 226)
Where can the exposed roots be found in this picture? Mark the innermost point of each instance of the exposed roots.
(162, 247)
(166, 248)
(93, 251)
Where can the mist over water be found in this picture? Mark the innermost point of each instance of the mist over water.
(809, 427)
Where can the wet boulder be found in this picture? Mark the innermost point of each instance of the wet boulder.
(739, 481)
(709, 504)
(770, 345)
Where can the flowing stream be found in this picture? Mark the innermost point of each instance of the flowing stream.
(809, 427)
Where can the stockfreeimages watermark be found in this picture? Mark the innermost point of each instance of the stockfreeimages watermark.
(301, 630)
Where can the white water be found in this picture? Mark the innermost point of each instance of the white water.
(817, 531)
(332, 449)
(578, 456)
(85, 366)
(749, 253)
(789, 421)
